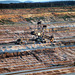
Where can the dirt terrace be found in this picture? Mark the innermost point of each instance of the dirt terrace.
(55, 72)
(40, 58)
(50, 17)
(36, 59)
(53, 14)
(36, 10)
(12, 33)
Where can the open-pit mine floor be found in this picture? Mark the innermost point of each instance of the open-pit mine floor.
(45, 58)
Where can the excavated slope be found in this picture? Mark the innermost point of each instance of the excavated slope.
(37, 59)
(8, 16)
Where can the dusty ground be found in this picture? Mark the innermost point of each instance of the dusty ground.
(8, 16)
(15, 23)
(44, 58)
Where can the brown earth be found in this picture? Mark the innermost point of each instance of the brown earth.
(40, 58)
(11, 28)
(8, 16)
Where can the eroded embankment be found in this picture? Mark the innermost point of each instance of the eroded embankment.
(54, 14)
(50, 17)
(36, 59)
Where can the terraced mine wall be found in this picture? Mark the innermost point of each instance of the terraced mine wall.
(57, 58)
(37, 59)
(49, 17)
(11, 16)
(12, 33)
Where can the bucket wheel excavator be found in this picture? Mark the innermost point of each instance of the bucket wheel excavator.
(39, 33)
